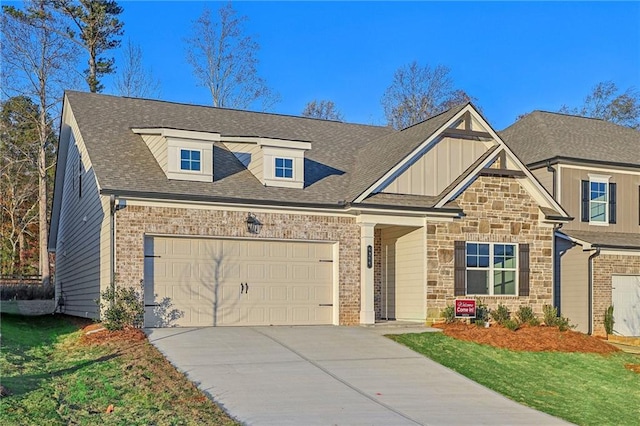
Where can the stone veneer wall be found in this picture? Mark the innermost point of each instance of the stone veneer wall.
(604, 266)
(498, 209)
(133, 222)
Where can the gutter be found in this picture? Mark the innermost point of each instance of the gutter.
(590, 264)
(341, 206)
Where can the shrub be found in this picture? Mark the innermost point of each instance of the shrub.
(449, 314)
(534, 322)
(500, 314)
(552, 319)
(550, 314)
(482, 312)
(608, 320)
(525, 315)
(511, 324)
(121, 307)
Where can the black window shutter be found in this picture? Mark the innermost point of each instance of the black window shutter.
(585, 201)
(523, 255)
(460, 267)
(612, 203)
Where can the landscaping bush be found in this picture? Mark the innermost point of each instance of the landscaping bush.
(449, 314)
(511, 324)
(500, 314)
(608, 320)
(552, 319)
(525, 315)
(482, 313)
(550, 314)
(121, 307)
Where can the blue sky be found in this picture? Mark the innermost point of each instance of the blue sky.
(513, 57)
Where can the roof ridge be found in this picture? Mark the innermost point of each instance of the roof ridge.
(194, 105)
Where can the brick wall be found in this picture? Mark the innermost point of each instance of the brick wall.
(133, 222)
(604, 266)
(497, 209)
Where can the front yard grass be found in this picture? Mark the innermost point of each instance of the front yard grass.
(56, 379)
(586, 389)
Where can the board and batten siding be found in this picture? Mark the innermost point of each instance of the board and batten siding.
(82, 249)
(545, 177)
(437, 168)
(574, 285)
(250, 155)
(627, 201)
(157, 144)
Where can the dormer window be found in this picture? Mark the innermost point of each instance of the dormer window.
(190, 160)
(284, 168)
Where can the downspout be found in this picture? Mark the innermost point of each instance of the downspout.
(556, 295)
(112, 245)
(590, 262)
(553, 179)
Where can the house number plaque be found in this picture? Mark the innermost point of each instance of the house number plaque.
(369, 257)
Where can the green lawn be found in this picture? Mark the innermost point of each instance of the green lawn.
(586, 389)
(56, 380)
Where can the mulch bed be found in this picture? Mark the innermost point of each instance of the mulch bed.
(96, 334)
(526, 338)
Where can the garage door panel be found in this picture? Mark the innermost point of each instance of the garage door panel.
(278, 271)
(256, 271)
(180, 270)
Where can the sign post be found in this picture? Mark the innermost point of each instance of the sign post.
(465, 308)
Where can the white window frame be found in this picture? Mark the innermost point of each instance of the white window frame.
(284, 168)
(491, 269)
(605, 181)
(199, 172)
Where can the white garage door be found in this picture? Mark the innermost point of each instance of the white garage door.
(214, 282)
(626, 304)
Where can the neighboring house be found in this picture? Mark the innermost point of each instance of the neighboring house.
(592, 167)
(244, 218)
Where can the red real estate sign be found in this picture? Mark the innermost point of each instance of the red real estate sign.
(465, 308)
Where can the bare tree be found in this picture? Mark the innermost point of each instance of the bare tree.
(324, 110)
(607, 103)
(134, 80)
(419, 92)
(97, 26)
(224, 61)
(37, 62)
(18, 186)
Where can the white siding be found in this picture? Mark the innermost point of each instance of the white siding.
(437, 168)
(80, 248)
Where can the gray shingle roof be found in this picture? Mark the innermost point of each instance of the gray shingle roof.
(607, 239)
(344, 160)
(122, 161)
(544, 135)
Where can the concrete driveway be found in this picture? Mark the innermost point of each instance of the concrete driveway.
(330, 376)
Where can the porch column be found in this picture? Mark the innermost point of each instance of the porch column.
(367, 313)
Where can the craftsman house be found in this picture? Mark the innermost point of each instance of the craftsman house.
(592, 168)
(244, 218)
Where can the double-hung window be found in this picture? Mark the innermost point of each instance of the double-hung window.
(284, 168)
(491, 269)
(598, 200)
(190, 160)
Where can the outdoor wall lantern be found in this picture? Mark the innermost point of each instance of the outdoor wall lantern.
(253, 224)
